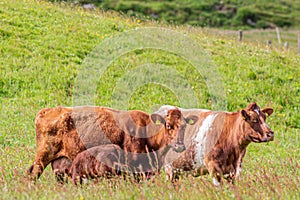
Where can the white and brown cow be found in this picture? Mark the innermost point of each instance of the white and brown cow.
(217, 143)
(64, 132)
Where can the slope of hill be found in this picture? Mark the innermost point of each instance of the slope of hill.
(226, 14)
(44, 47)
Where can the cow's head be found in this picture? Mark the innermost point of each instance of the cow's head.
(174, 125)
(257, 129)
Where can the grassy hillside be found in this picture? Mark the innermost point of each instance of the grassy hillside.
(43, 49)
(229, 13)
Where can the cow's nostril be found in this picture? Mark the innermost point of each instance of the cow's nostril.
(270, 136)
(179, 148)
(270, 133)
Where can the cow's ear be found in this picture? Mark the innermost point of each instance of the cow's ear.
(269, 111)
(157, 119)
(245, 115)
(191, 120)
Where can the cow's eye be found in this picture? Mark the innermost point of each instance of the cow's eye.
(254, 120)
(168, 126)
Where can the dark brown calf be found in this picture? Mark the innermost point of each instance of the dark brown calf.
(100, 161)
(217, 143)
(106, 161)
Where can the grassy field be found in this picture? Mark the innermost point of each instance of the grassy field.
(43, 48)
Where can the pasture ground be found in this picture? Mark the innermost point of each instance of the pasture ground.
(42, 47)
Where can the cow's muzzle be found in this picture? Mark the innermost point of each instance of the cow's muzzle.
(270, 136)
(179, 147)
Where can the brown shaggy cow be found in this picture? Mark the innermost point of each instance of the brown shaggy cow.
(63, 132)
(217, 143)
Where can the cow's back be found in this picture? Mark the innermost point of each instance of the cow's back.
(51, 119)
(97, 126)
(89, 125)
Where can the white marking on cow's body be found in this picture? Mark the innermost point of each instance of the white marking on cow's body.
(163, 110)
(194, 110)
(200, 140)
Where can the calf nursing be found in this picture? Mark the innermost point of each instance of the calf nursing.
(100, 161)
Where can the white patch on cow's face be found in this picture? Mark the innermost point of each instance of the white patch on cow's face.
(200, 140)
(163, 110)
(256, 110)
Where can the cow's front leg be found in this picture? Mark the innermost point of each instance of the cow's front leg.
(215, 172)
(238, 169)
(35, 171)
(42, 159)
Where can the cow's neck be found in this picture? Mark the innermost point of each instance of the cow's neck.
(243, 141)
(157, 144)
(161, 154)
(232, 143)
(236, 133)
(157, 141)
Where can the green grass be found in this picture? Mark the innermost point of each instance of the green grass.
(43, 46)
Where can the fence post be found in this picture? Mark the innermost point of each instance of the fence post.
(269, 43)
(240, 35)
(286, 45)
(299, 43)
(278, 35)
